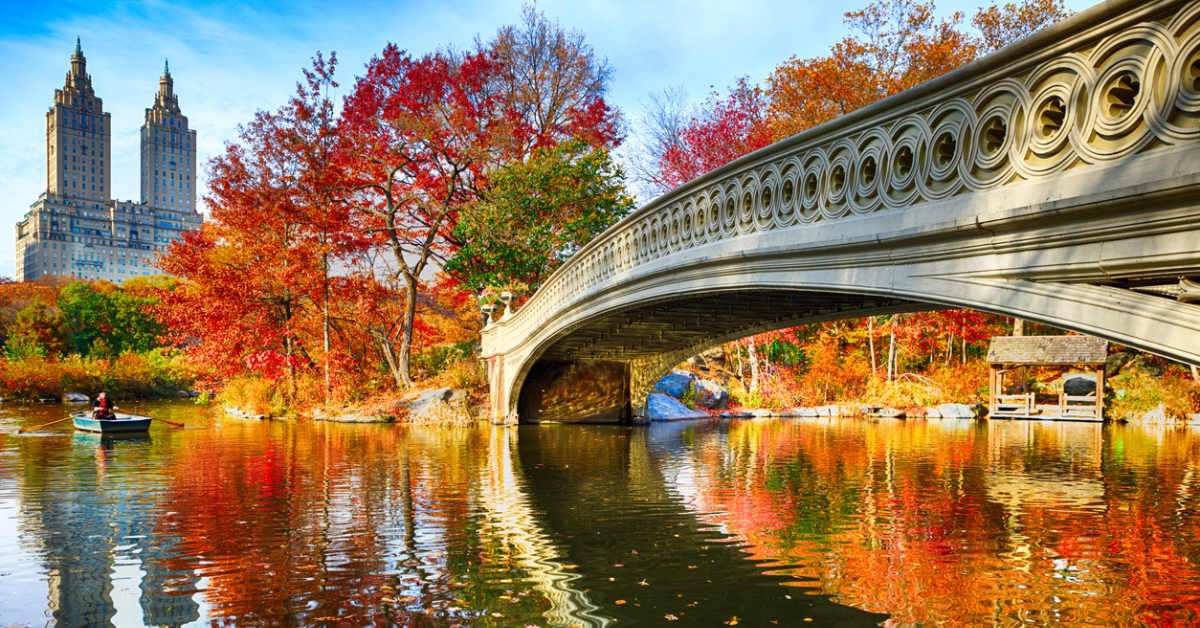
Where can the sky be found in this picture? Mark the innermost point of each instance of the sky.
(231, 59)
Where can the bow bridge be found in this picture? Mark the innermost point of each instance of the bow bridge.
(1057, 180)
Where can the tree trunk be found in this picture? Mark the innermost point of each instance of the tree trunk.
(1195, 373)
(871, 340)
(410, 317)
(891, 365)
(753, 368)
(325, 322)
(1018, 327)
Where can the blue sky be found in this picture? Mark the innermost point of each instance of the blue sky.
(230, 59)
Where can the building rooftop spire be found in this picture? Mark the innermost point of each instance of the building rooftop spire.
(166, 68)
(78, 46)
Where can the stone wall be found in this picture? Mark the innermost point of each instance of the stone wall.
(575, 392)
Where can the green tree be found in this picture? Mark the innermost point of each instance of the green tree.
(87, 314)
(536, 214)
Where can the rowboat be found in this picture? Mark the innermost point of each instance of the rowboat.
(120, 424)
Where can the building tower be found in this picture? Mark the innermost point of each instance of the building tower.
(75, 228)
(168, 152)
(78, 146)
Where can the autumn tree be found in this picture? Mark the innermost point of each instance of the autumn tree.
(898, 44)
(255, 275)
(1001, 26)
(420, 136)
(536, 214)
(554, 81)
(725, 128)
(39, 330)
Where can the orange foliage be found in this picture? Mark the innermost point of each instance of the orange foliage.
(899, 46)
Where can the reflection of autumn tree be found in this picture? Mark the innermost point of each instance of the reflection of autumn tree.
(964, 524)
(368, 526)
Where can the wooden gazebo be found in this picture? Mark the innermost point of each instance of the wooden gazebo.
(1010, 352)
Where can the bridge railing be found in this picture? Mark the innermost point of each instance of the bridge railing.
(1119, 79)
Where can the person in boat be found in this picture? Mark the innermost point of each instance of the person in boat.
(102, 407)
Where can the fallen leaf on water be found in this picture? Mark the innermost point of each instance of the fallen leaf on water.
(670, 617)
(618, 565)
(732, 622)
(619, 602)
(644, 583)
(633, 552)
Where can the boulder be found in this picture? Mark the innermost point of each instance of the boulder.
(713, 358)
(955, 411)
(806, 412)
(74, 397)
(932, 413)
(1079, 384)
(710, 394)
(676, 384)
(890, 413)
(1157, 415)
(762, 413)
(660, 407)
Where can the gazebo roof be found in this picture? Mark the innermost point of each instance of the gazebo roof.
(1047, 350)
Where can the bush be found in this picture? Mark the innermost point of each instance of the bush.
(158, 373)
(1137, 391)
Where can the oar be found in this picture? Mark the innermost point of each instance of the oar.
(38, 427)
(158, 419)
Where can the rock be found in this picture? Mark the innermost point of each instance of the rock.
(889, 413)
(441, 413)
(713, 358)
(74, 397)
(359, 418)
(789, 412)
(676, 383)
(710, 394)
(807, 412)
(430, 396)
(660, 407)
(762, 414)
(955, 411)
(932, 413)
(182, 394)
(1079, 384)
(1157, 415)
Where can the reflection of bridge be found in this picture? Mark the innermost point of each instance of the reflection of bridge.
(1057, 180)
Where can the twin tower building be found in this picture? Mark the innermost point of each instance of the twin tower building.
(75, 228)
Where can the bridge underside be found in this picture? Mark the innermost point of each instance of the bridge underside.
(602, 371)
(670, 326)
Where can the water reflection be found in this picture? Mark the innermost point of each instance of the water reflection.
(960, 523)
(847, 523)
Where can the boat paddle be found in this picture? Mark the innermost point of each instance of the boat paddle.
(38, 427)
(158, 419)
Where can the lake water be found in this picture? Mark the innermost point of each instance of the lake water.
(759, 522)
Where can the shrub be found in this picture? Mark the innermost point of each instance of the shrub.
(1137, 391)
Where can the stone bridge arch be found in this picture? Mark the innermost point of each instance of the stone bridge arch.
(1057, 181)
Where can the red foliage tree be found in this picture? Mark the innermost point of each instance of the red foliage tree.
(256, 277)
(727, 128)
(419, 137)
